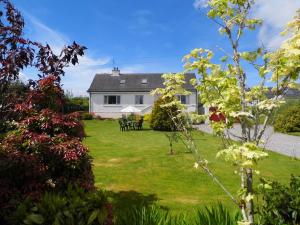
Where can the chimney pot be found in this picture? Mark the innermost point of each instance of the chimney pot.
(115, 71)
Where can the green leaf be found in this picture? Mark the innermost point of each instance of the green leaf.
(102, 216)
(34, 219)
(224, 58)
(93, 216)
(249, 56)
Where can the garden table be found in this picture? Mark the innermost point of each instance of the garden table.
(131, 124)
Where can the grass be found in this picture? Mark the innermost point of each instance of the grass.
(135, 167)
(294, 133)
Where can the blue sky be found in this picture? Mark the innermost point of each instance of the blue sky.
(139, 35)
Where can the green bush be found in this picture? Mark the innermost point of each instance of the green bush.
(217, 215)
(74, 104)
(288, 119)
(75, 206)
(143, 216)
(147, 117)
(160, 119)
(86, 116)
(153, 215)
(281, 204)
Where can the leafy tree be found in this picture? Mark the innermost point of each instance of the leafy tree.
(15, 93)
(225, 87)
(281, 204)
(45, 151)
(288, 120)
(172, 137)
(76, 104)
(182, 121)
(15, 54)
(160, 119)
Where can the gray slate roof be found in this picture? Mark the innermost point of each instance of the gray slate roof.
(290, 94)
(133, 82)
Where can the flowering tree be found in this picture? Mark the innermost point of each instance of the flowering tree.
(183, 121)
(44, 151)
(225, 87)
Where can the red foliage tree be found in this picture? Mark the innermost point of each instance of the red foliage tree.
(44, 151)
(15, 54)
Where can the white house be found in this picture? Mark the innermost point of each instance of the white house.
(110, 93)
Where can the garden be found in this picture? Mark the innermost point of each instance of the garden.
(63, 167)
(136, 166)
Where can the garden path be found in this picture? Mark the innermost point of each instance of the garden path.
(281, 143)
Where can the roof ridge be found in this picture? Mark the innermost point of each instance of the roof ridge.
(139, 73)
(107, 82)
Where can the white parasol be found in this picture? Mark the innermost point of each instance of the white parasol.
(130, 109)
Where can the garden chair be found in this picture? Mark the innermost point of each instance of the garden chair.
(123, 125)
(131, 124)
(139, 124)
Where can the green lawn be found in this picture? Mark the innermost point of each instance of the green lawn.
(294, 133)
(135, 166)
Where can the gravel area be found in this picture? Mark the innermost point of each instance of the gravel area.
(282, 143)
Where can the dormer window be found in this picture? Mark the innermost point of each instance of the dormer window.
(122, 81)
(144, 81)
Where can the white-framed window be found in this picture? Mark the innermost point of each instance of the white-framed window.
(184, 99)
(112, 99)
(139, 99)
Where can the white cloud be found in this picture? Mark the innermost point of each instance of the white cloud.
(44, 34)
(77, 78)
(275, 14)
(200, 4)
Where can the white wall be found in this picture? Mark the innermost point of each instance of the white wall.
(98, 107)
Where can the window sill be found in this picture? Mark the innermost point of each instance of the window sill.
(114, 105)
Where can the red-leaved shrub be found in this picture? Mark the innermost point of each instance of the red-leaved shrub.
(44, 151)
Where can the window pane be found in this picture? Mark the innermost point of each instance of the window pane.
(142, 99)
(183, 99)
(139, 99)
(112, 99)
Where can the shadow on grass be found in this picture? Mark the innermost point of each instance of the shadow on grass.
(124, 200)
(136, 130)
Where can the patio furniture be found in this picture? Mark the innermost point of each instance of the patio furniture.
(131, 124)
(123, 125)
(139, 124)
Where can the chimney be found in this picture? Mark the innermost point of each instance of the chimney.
(115, 72)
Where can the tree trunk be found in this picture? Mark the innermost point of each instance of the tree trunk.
(243, 206)
(249, 204)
